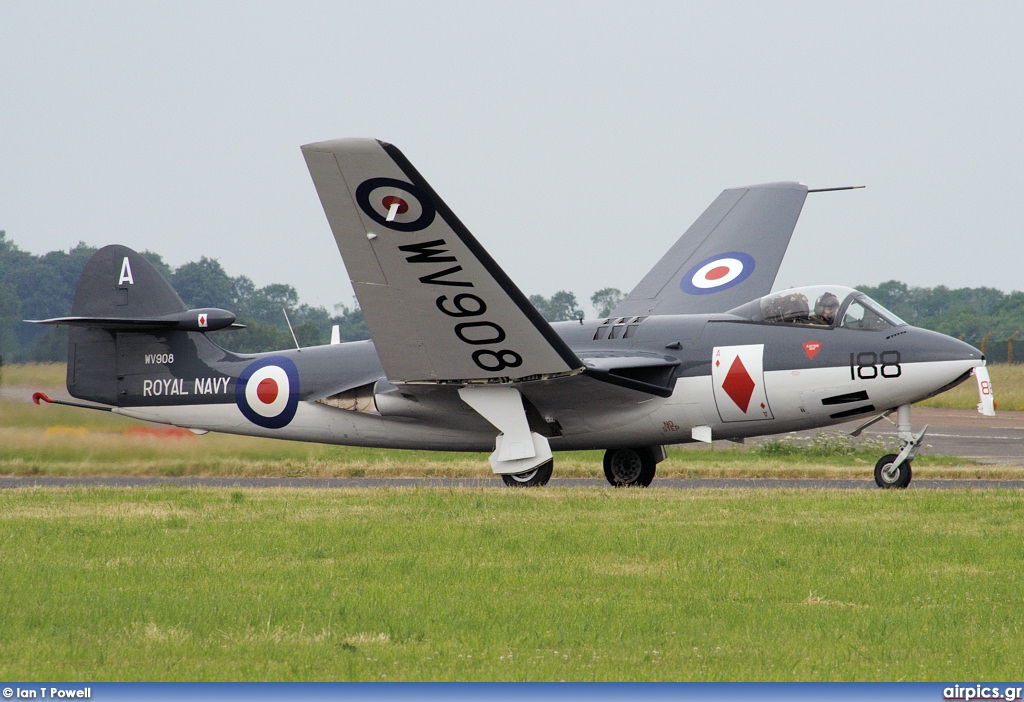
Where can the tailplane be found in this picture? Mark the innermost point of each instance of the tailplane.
(127, 321)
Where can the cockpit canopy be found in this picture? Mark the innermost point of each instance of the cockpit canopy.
(821, 306)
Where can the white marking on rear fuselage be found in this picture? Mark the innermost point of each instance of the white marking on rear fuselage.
(163, 386)
(210, 386)
(159, 358)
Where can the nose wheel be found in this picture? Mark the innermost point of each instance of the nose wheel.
(889, 474)
(893, 470)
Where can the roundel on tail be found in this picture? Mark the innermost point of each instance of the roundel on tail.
(395, 204)
(720, 272)
(267, 392)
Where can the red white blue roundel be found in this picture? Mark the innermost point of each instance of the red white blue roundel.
(395, 204)
(717, 273)
(267, 392)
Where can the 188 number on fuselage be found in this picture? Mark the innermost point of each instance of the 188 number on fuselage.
(869, 365)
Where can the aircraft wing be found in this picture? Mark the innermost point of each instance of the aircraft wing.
(438, 307)
(729, 256)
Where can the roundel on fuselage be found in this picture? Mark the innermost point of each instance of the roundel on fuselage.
(720, 272)
(267, 392)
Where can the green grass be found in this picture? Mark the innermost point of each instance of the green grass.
(431, 584)
(38, 375)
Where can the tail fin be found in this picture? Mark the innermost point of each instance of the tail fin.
(127, 320)
(118, 282)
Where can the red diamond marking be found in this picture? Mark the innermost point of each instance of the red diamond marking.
(738, 384)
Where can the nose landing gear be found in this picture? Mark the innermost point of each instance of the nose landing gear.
(893, 470)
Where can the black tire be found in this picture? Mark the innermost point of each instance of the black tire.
(532, 478)
(885, 480)
(630, 467)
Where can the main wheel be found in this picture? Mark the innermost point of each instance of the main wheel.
(531, 478)
(630, 467)
(886, 476)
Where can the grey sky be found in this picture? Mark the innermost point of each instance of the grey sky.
(577, 141)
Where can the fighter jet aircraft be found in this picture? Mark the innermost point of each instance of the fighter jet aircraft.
(460, 360)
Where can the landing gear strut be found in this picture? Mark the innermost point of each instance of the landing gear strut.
(632, 466)
(893, 470)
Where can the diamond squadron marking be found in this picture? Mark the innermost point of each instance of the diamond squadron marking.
(738, 384)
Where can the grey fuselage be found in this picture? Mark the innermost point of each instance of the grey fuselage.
(648, 381)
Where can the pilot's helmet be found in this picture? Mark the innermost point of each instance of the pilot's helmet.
(827, 303)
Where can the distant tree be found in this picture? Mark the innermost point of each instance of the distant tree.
(351, 325)
(257, 337)
(204, 283)
(561, 307)
(605, 300)
(266, 303)
(968, 312)
(157, 261)
(45, 287)
(10, 319)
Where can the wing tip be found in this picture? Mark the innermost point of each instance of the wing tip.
(346, 144)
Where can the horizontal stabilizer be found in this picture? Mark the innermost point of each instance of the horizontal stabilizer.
(201, 320)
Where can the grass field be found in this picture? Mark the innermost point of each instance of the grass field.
(558, 584)
(465, 584)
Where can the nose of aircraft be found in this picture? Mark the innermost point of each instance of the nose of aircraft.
(933, 346)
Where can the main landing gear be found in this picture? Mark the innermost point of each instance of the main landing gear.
(624, 467)
(893, 470)
(632, 467)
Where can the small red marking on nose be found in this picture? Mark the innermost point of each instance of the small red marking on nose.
(267, 390)
(390, 200)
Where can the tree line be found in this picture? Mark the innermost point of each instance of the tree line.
(39, 287)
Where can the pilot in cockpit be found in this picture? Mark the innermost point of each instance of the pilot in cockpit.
(825, 310)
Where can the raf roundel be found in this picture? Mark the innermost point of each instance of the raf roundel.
(395, 204)
(717, 273)
(267, 392)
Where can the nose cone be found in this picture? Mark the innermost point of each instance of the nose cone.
(931, 346)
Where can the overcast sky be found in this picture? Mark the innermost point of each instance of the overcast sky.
(577, 141)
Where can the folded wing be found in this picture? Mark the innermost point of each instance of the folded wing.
(729, 256)
(438, 307)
